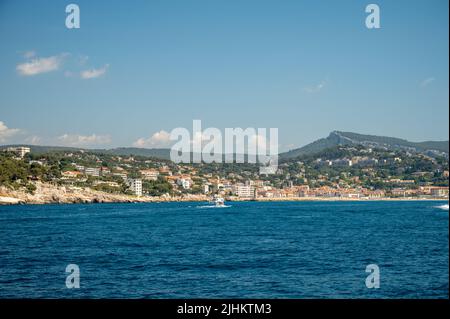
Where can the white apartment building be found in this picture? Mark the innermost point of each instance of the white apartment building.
(242, 190)
(185, 183)
(439, 191)
(150, 174)
(135, 186)
(20, 150)
(92, 171)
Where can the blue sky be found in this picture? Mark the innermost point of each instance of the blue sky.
(136, 68)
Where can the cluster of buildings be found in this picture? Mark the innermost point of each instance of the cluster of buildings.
(433, 191)
(359, 161)
(81, 174)
(305, 191)
(127, 172)
(236, 186)
(103, 175)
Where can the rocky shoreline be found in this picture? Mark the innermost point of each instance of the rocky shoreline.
(52, 194)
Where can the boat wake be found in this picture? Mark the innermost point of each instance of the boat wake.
(213, 206)
(443, 207)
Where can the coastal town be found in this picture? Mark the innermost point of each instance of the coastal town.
(341, 173)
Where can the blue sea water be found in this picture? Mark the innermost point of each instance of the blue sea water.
(247, 250)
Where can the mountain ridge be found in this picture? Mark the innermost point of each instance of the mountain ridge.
(335, 138)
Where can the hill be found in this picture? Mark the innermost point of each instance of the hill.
(337, 138)
(334, 139)
(160, 153)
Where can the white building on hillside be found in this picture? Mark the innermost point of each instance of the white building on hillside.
(135, 186)
(186, 183)
(242, 190)
(92, 171)
(150, 174)
(20, 150)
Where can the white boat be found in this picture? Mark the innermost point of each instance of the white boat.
(219, 202)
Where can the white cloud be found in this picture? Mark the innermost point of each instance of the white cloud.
(317, 88)
(427, 82)
(84, 140)
(37, 65)
(6, 132)
(40, 65)
(159, 139)
(94, 73)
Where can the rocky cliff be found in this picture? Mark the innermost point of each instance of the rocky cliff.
(48, 193)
